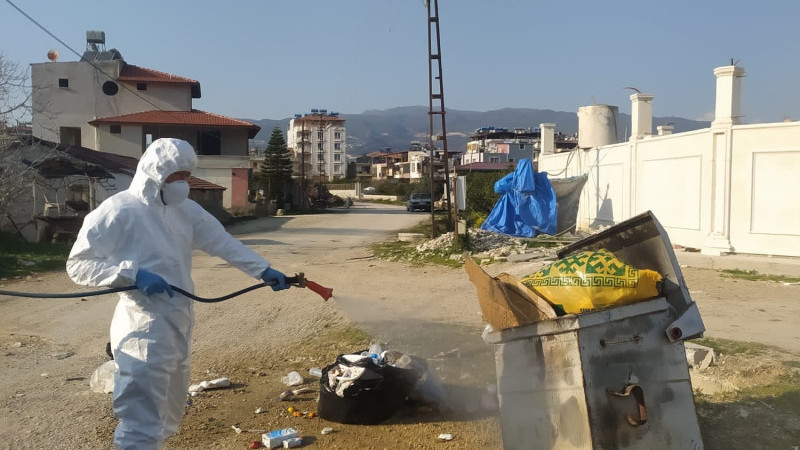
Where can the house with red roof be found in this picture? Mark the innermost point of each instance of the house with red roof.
(103, 103)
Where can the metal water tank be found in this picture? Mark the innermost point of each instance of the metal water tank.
(597, 125)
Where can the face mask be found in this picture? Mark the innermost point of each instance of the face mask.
(175, 192)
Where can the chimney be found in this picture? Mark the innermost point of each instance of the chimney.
(729, 90)
(664, 130)
(641, 115)
(548, 140)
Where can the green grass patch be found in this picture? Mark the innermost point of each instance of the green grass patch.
(732, 347)
(21, 258)
(792, 364)
(538, 243)
(405, 251)
(755, 417)
(753, 275)
(424, 225)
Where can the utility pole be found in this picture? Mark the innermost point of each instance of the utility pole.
(321, 147)
(303, 165)
(435, 73)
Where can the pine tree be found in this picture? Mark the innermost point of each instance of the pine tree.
(276, 170)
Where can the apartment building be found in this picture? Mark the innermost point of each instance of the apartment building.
(318, 139)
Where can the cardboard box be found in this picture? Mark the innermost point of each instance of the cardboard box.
(505, 302)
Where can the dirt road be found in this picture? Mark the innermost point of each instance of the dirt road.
(51, 347)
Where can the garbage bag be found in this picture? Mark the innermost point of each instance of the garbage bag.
(592, 280)
(373, 392)
(102, 379)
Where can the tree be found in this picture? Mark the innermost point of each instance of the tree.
(276, 170)
(15, 176)
(15, 92)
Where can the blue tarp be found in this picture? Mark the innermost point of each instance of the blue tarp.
(528, 206)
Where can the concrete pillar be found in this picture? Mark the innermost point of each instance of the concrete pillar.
(641, 115)
(726, 115)
(548, 140)
(729, 93)
(664, 130)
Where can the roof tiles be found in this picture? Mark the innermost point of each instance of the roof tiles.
(140, 74)
(188, 118)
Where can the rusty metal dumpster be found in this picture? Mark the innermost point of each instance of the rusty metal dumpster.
(605, 379)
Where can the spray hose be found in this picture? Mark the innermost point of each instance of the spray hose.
(298, 280)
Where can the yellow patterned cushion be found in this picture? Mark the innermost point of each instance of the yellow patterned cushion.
(592, 280)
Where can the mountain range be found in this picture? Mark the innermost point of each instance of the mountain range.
(395, 128)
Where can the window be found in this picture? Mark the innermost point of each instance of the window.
(337, 146)
(116, 129)
(141, 86)
(321, 168)
(319, 146)
(522, 146)
(110, 88)
(209, 143)
(337, 157)
(321, 157)
(70, 136)
(337, 135)
(319, 135)
(63, 82)
(337, 168)
(494, 160)
(511, 160)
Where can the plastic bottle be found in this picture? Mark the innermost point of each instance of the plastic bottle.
(375, 352)
(403, 362)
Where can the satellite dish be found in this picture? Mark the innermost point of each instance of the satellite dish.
(52, 55)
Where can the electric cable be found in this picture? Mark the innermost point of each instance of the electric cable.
(91, 63)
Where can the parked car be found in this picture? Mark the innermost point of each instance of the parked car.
(369, 190)
(419, 200)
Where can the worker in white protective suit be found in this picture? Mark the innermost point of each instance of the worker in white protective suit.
(145, 236)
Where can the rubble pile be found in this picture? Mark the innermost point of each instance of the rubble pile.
(485, 244)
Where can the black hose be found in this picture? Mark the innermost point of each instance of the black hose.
(289, 280)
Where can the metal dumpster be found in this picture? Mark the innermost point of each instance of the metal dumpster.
(606, 379)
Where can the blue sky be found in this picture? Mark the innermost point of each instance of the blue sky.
(269, 59)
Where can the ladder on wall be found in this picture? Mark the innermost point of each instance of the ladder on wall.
(436, 106)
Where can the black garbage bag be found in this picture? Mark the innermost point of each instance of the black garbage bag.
(373, 397)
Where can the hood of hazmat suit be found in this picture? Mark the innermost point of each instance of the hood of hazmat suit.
(150, 336)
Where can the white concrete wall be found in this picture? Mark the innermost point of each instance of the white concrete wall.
(128, 142)
(217, 169)
(724, 187)
(84, 100)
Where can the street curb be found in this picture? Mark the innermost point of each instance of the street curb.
(768, 265)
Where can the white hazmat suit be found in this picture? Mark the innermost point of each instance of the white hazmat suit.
(151, 336)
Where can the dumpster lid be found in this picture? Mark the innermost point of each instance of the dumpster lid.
(641, 241)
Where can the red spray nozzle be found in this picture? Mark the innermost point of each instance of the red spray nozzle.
(300, 281)
(323, 291)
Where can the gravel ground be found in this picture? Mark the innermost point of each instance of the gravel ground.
(51, 347)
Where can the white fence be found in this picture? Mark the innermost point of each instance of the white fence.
(729, 189)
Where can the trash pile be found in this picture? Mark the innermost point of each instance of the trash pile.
(575, 284)
(485, 244)
(481, 240)
(370, 386)
(608, 317)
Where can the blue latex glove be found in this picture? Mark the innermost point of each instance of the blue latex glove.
(279, 278)
(150, 283)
